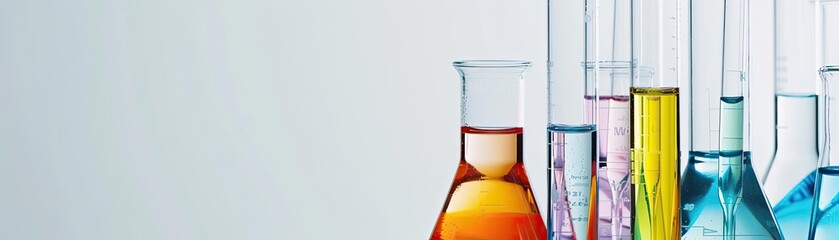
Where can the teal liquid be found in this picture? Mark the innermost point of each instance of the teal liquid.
(801, 193)
(824, 223)
(730, 167)
(702, 211)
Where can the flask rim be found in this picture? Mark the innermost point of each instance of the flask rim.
(491, 63)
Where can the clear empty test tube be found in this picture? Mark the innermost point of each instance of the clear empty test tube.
(654, 106)
(572, 135)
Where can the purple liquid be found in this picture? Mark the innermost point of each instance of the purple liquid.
(613, 173)
(572, 169)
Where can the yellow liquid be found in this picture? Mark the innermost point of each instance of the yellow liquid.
(655, 163)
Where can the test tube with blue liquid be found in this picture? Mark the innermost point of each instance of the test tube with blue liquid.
(732, 100)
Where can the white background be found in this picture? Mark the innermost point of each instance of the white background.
(259, 119)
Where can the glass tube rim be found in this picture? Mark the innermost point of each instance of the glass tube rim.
(829, 68)
(494, 63)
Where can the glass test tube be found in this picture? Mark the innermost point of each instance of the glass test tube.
(654, 106)
(699, 177)
(572, 136)
(613, 82)
(610, 49)
(733, 136)
(711, 184)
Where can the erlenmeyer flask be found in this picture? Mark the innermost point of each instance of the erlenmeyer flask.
(490, 197)
(721, 196)
(804, 42)
(824, 217)
(796, 149)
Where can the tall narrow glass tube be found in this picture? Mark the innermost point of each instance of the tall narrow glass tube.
(721, 195)
(610, 48)
(654, 107)
(613, 83)
(572, 136)
(732, 114)
(700, 211)
(490, 196)
(824, 218)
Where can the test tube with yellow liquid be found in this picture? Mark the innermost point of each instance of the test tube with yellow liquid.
(654, 110)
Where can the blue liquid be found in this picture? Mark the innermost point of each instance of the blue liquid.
(825, 216)
(702, 212)
(793, 211)
(732, 99)
(802, 192)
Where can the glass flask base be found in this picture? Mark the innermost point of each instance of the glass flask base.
(793, 212)
(825, 214)
(490, 197)
(702, 213)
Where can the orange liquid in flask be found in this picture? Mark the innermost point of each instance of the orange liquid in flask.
(490, 197)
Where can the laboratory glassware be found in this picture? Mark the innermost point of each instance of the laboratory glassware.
(796, 65)
(824, 218)
(654, 110)
(490, 196)
(805, 40)
(610, 46)
(719, 180)
(612, 106)
(730, 163)
(572, 136)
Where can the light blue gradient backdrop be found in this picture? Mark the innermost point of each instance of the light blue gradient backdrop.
(255, 119)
